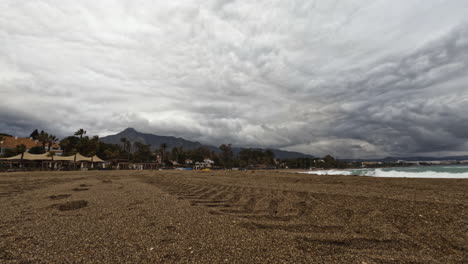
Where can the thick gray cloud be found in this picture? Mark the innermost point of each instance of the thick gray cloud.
(353, 78)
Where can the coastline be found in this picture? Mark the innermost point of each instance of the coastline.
(435, 172)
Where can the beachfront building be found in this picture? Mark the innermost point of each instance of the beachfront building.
(49, 161)
(9, 142)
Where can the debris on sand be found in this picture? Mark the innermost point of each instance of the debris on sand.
(80, 189)
(72, 205)
(59, 197)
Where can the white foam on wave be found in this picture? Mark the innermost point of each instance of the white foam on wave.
(425, 174)
(330, 172)
(393, 174)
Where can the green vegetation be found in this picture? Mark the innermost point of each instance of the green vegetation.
(326, 162)
(20, 149)
(253, 157)
(34, 134)
(225, 158)
(162, 150)
(142, 153)
(37, 150)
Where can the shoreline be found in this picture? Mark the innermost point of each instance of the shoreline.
(410, 172)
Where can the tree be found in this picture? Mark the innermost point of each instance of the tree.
(227, 156)
(9, 153)
(126, 146)
(245, 157)
(162, 149)
(124, 141)
(43, 138)
(21, 149)
(269, 157)
(199, 154)
(52, 155)
(142, 152)
(94, 145)
(34, 134)
(51, 139)
(36, 150)
(329, 162)
(70, 145)
(252, 157)
(80, 132)
(178, 154)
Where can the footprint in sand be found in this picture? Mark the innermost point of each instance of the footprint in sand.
(72, 205)
(80, 189)
(59, 197)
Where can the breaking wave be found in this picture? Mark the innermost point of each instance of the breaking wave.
(398, 173)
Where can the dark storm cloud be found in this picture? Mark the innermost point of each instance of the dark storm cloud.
(413, 105)
(18, 123)
(353, 78)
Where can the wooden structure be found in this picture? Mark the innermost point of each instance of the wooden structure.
(48, 161)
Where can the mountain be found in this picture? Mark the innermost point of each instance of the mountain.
(155, 141)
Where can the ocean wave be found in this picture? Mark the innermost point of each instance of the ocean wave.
(330, 172)
(393, 174)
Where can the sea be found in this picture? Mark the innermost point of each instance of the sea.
(441, 171)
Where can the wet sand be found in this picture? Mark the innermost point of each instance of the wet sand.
(230, 217)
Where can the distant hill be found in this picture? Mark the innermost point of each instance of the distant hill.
(280, 154)
(155, 141)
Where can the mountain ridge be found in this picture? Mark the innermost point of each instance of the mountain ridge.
(155, 141)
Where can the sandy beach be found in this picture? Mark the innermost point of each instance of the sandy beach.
(230, 217)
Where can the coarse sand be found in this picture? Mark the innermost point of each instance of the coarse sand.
(230, 217)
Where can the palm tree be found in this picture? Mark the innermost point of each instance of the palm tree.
(51, 155)
(124, 143)
(95, 141)
(51, 139)
(163, 148)
(65, 144)
(126, 146)
(80, 132)
(43, 138)
(34, 134)
(21, 149)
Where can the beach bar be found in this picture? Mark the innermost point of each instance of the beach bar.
(49, 161)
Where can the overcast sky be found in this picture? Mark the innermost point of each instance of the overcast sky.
(354, 78)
